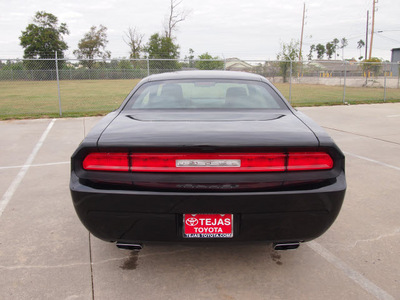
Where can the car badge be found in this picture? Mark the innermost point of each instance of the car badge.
(205, 163)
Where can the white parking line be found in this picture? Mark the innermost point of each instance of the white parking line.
(37, 165)
(17, 180)
(357, 277)
(372, 160)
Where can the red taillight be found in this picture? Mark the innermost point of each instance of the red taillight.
(107, 162)
(201, 162)
(305, 161)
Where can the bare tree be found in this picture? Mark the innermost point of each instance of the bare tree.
(175, 16)
(134, 41)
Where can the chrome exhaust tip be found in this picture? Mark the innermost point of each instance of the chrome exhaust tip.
(127, 246)
(286, 246)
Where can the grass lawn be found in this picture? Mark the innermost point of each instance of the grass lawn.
(22, 99)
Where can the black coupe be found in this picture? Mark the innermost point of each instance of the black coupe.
(198, 156)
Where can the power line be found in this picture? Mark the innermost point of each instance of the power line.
(387, 38)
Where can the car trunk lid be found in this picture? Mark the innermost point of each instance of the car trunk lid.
(207, 128)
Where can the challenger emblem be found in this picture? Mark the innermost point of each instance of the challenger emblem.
(204, 163)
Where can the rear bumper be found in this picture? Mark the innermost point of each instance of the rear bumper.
(141, 216)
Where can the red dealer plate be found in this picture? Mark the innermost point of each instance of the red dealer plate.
(208, 225)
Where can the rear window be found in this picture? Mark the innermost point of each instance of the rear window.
(205, 94)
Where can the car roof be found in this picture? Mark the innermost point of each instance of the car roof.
(205, 74)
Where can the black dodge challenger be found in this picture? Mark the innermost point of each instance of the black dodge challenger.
(198, 156)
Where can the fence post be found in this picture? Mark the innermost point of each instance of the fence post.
(384, 86)
(148, 67)
(398, 74)
(58, 84)
(344, 82)
(290, 82)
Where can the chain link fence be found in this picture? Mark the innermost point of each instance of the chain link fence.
(69, 87)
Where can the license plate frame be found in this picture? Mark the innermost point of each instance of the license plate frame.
(208, 226)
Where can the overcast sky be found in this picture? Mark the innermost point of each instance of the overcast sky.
(252, 29)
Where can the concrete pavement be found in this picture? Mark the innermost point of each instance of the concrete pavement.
(45, 252)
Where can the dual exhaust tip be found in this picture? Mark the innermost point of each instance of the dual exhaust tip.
(276, 246)
(286, 246)
(128, 246)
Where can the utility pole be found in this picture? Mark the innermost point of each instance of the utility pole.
(302, 30)
(372, 29)
(366, 37)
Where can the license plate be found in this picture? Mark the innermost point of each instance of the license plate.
(208, 225)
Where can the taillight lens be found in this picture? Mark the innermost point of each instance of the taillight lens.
(107, 162)
(201, 162)
(305, 161)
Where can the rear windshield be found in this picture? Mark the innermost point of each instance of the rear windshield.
(205, 94)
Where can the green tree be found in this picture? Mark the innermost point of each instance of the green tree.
(207, 62)
(289, 53)
(189, 60)
(335, 43)
(191, 63)
(310, 54)
(12, 65)
(360, 45)
(372, 65)
(329, 49)
(320, 51)
(43, 37)
(92, 46)
(162, 47)
(343, 44)
(124, 65)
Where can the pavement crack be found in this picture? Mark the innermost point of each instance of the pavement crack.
(369, 240)
(18, 267)
(141, 255)
(91, 265)
(382, 236)
(362, 135)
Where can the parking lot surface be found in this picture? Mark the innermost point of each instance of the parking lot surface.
(46, 253)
